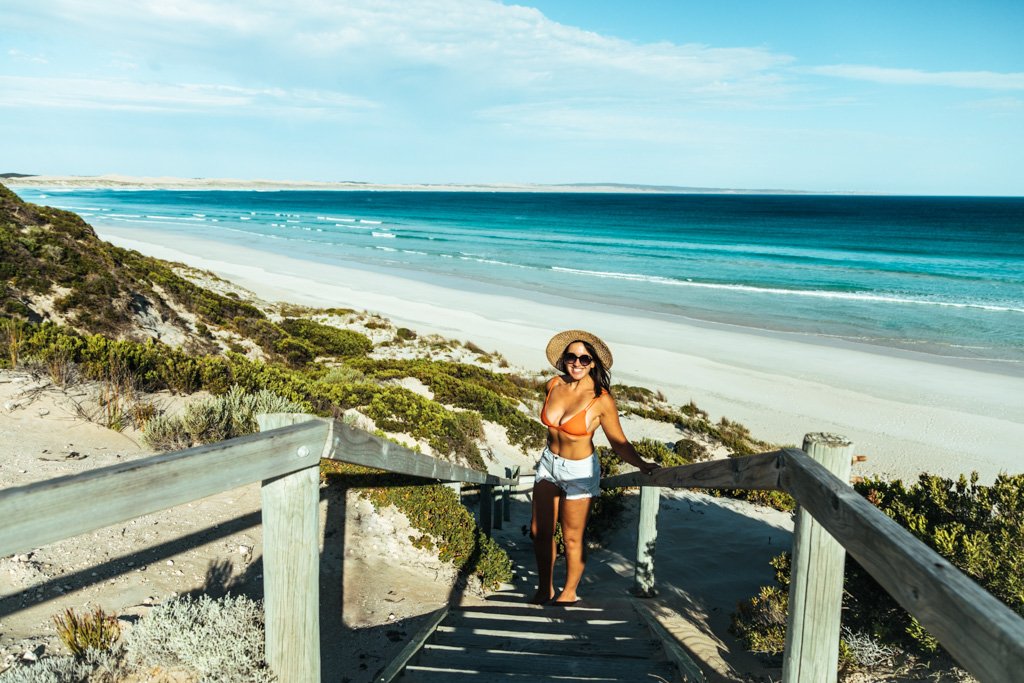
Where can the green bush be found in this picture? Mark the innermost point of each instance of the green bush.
(689, 451)
(495, 396)
(438, 514)
(325, 340)
(979, 529)
(296, 352)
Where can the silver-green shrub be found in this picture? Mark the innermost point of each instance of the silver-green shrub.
(216, 419)
(221, 641)
(93, 667)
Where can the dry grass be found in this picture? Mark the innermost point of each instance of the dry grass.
(94, 630)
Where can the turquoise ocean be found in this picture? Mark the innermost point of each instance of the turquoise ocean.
(939, 275)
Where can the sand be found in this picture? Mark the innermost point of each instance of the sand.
(908, 412)
(213, 545)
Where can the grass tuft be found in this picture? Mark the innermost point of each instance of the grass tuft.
(94, 630)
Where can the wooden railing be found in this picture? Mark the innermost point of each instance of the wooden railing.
(985, 636)
(285, 457)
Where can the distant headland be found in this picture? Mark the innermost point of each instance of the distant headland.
(117, 181)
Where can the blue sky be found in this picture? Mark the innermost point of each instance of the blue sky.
(903, 97)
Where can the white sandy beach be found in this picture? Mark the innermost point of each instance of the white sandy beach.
(907, 412)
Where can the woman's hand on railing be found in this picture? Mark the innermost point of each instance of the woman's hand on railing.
(649, 468)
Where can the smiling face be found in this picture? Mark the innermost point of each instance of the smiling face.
(575, 368)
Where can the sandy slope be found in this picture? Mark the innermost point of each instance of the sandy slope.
(211, 545)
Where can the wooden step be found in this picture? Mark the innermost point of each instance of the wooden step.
(623, 646)
(569, 663)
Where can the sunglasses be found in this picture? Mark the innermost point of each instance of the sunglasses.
(583, 360)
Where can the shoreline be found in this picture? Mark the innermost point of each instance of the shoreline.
(907, 413)
(113, 181)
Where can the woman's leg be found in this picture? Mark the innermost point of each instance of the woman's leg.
(545, 514)
(574, 521)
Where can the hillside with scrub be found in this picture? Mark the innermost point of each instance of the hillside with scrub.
(169, 357)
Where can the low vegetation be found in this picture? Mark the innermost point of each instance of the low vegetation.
(94, 630)
(444, 523)
(216, 419)
(198, 639)
(979, 529)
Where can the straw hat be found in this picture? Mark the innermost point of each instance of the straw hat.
(561, 340)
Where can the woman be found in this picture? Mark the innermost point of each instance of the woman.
(568, 474)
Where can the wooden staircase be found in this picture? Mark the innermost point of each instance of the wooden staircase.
(504, 638)
(603, 640)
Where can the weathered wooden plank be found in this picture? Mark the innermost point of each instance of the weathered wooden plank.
(357, 447)
(56, 509)
(759, 471)
(524, 663)
(688, 669)
(637, 648)
(816, 580)
(412, 647)
(985, 636)
(428, 675)
(540, 630)
(486, 508)
(291, 565)
(646, 537)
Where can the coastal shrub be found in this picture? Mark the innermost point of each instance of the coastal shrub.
(94, 630)
(689, 451)
(396, 409)
(979, 529)
(326, 340)
(438, 514)
(217, 640)
(94, 666)
(625, 392)
(216, 419)
(295, 352)
(495, 396)
(343, 374)
(12, 336)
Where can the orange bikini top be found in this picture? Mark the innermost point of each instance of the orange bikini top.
(574, 426)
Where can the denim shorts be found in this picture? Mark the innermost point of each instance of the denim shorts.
(577, 478)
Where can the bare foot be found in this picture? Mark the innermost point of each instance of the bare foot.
(565, 598)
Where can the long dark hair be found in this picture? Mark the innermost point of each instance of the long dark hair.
(598, 372)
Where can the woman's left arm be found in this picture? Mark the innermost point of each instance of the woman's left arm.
(617, 438)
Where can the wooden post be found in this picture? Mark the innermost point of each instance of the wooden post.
(506, 493)
(291, 566)
(647, 534)
(816, 580)
(498, 517)
(486, 507)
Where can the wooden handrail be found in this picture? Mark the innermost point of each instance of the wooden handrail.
(358, 447)
(759, 471)
(984, 635)
(52, 510)
(285, 458)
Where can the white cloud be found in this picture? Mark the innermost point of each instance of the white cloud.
(985, 80)
(20, 56)
(997, 105)
(483, 45)
(125, 95)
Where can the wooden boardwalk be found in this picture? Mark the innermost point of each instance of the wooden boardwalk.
(504, 638)
(604, 641)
